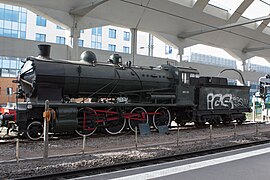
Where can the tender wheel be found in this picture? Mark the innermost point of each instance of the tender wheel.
(161, 117)
(34, 130)
(137, 115)
(114, 123)
(86, 121)
(226, 120)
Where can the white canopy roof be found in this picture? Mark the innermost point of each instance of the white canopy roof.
(228, 24)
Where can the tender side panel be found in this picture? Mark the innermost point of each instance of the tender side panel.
(213, 97)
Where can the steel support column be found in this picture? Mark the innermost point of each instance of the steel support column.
(133, 43)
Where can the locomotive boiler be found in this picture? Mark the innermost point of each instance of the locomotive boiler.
(120, 96)
(42, 78)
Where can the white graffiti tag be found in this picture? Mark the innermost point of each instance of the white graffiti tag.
(239, 102)
(219, 100)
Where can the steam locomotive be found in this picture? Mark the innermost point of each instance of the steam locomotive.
(86, 95)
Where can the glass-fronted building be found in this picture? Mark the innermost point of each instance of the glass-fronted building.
(212, 60)
(257, 68)
(9, 66)
(13, 21)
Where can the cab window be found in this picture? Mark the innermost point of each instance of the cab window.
(185, 78)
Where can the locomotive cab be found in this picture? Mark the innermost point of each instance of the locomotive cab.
(185, 90)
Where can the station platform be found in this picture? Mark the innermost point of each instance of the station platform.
(244, 164)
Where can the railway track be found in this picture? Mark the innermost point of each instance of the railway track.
(139, 163)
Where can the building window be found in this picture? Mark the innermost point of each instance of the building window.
(93, 44)
(12, 21)
(97, 31)
(112, 33)
(99, 45)
(96, 38)
(168, 49)
(6, 63)
(82, 31)
(80, 43)
(59, 27)
(22, 34)
(9, 91)
(60, 40)
(96, 45)
(111, 47)
(125, 49)
(126, 36)
(9, 66)
(41, 37)
(41, 21)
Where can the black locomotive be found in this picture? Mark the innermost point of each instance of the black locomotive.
(117, 96)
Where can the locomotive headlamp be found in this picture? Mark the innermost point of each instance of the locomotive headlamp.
(29, 106)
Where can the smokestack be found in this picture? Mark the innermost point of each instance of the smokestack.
(44, 50)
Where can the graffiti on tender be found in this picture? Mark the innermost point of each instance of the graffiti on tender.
(238, 102)
(219, 100)
(227, 100)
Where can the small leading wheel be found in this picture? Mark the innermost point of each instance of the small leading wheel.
(86, 121)
(114, 122)
(137, 116)
(239, 121)
(161, 117)
(34, 130)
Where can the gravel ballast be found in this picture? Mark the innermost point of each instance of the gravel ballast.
(103, 150)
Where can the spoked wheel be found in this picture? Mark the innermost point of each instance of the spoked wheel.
(114, 123)
(138, 115)
(86, 121)
(34, 130)
(161, 117)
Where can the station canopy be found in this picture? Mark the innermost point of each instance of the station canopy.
(241, 27)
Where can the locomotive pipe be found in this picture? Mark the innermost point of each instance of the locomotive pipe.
(163, 97)
(170, 98)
